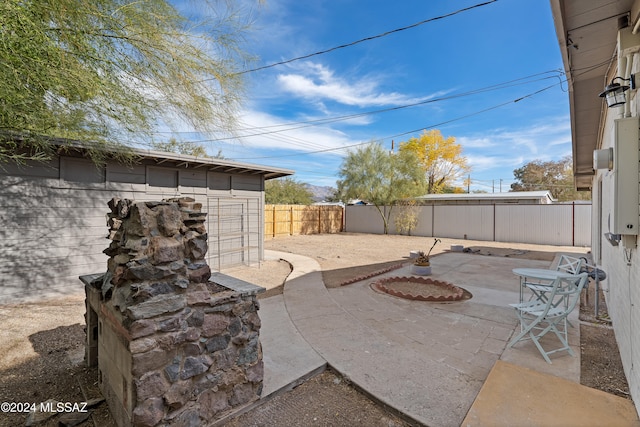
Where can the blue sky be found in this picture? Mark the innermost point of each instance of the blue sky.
(465, 72)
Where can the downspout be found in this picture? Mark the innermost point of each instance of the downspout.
(628, 62)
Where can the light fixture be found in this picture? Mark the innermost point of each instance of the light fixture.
(614, 92)
(603, 159)
(614, 239)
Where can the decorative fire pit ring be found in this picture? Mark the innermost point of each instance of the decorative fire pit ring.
(419, 289)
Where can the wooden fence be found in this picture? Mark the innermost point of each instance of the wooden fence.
(290, 220)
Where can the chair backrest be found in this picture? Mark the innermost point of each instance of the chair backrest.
(570, 288)
(569, 264)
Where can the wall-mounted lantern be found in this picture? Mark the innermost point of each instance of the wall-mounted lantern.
(603, 159)
(614, 92)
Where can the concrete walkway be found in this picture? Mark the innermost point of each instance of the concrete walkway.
(429, 361)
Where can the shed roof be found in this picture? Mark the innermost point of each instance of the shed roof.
(512, 195)
(174, 159)
(184, 160)
(213, 164)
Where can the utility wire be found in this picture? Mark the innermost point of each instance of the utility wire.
(397, 30)
(301, 142)
(317, 122)
(409, 132)
(346, 147)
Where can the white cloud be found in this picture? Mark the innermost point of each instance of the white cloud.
(471, 142)
(317, 82)
(495, 154)
(532, 142)
(263, 127)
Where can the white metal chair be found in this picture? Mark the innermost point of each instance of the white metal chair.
(538, 317)
(566, 264)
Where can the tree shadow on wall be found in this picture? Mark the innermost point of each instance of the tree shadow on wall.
(52, 233)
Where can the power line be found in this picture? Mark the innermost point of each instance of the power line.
(409, 132)
(306, 144)
(317, 122)
(386, 33)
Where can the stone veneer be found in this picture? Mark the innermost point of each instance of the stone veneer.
(172, 346)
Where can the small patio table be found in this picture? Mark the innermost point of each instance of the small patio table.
(540, 274)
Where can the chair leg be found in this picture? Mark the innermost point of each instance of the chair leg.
(551, 327)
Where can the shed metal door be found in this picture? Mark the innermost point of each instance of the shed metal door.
(234, 231)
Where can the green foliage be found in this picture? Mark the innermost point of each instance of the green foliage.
(287, 191)
(334, 196)
(555, 176)
(181, 147)
(107, 71)
(377, 176)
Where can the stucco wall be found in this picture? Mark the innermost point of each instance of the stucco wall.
(54, 218)
(622, 264)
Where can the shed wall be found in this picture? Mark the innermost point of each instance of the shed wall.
(54, 218)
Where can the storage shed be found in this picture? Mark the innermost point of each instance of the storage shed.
(54, 214)
(518, 197)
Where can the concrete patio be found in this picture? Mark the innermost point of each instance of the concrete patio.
(439, 364)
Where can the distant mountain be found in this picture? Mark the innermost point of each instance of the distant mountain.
(320, 193)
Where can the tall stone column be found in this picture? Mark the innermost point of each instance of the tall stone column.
(174, 348)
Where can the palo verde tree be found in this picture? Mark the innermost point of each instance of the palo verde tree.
(380, 177)
(287, 191)
(184, 147)
(108, 71)
(555, 176)
(441, 159)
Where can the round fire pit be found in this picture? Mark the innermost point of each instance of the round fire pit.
(419, 289)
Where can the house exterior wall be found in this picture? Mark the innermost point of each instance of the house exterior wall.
(622, 264)
(54, 218)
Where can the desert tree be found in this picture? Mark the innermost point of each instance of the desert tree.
(441, 159)
(407, 217)
(190, 148)
(380, 177)
(553, 175)
(109, 72)
(287, 191)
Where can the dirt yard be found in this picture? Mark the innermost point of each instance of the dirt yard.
(41, 344)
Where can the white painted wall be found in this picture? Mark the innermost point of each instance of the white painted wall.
(622, 265)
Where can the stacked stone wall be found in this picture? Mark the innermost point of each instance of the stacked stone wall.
(189, 347)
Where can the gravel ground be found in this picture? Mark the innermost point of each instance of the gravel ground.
(41, 344)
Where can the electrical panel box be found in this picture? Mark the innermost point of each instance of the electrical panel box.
(626, 177)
